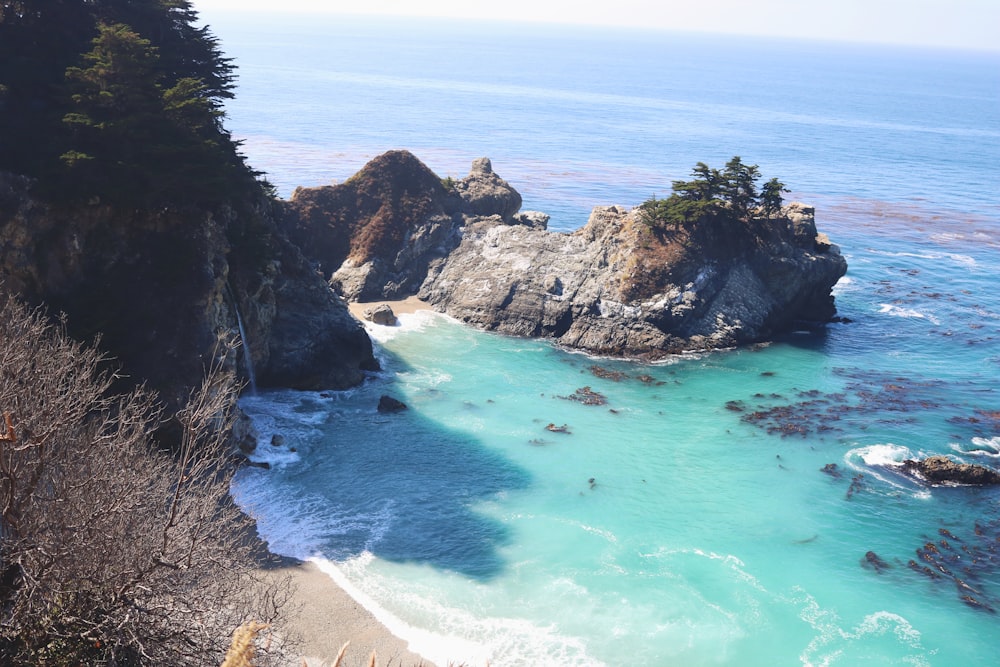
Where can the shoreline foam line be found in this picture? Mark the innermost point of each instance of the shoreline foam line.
(440, 649)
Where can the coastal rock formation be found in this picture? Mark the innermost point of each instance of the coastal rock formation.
(160, 288)
(620, 287)
(484, 193)
(942, 470)
(374, 235)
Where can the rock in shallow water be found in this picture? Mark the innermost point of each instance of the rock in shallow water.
(942, 470)
(390, 404)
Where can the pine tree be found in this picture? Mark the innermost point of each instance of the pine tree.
(121, 99)
(770, 197)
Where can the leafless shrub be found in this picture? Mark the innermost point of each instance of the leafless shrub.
(113, 551)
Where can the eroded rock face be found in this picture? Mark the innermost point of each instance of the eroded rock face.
(942, 470)
(375, 235)
(618, 287)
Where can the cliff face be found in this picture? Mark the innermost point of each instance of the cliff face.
(161, 288)
(619, 287)
(375, 235)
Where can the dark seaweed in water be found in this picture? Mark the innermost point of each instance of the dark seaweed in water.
(608, 374)
(969, 561)
(878, 397)
(587, 396)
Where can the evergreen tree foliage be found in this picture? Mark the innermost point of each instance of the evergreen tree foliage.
(770, 196)
(120, 99)
(712, 193)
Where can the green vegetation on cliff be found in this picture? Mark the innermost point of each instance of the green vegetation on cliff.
(119, 100)
(713, 193)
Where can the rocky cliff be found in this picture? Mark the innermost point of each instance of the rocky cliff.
(161, 288)
(375, 235)
(621, 285)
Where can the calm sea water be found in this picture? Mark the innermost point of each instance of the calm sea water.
(735, 508)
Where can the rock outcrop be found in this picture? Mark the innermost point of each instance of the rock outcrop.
(621, 287)
(160, 288)
(943, 470)
(375, 235)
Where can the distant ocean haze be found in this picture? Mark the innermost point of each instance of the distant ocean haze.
(735, 494)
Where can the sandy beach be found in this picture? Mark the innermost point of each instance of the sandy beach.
(327, 617)
(405, 306)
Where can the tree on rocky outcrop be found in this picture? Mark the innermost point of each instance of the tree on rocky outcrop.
(739, 186)
(711, 194)
(112, 551)
(770, 197)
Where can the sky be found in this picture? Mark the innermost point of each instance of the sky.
(972, 24)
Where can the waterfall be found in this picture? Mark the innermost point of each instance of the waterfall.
(247, 357)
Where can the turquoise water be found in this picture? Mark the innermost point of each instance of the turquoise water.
(715, 530)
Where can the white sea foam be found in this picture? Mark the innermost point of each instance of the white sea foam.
(290, 526)
(408, 322)
(835, 645)
(979, 447)
(964, 260)
(844, 285)
(883, 455)
(461, 637)
(909, 313)
(284, 422)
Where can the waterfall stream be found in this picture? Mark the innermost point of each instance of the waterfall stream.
(247, 357)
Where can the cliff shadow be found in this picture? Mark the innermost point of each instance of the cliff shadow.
(401, 486)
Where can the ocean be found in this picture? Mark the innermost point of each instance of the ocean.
(743, 507)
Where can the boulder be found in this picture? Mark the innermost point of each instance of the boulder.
(390, 404)
(381, 314)
(943, 470)
(244, 435)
